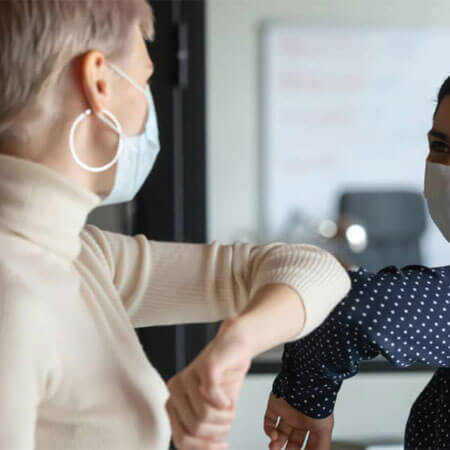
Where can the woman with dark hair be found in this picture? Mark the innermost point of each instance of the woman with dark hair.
(402, 314)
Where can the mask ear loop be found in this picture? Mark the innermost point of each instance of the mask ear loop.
(106, 117)
(129, 79)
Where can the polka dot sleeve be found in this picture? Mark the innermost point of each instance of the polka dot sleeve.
(402, 314)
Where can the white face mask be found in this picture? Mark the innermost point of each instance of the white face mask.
(437, 193)
(135, 155)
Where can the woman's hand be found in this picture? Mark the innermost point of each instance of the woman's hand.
(203, 396)
(293, 426)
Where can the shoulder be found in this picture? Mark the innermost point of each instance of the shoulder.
(394, 277)
(96, 248)
(108, 247)
(94, 238)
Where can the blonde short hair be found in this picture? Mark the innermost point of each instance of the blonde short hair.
(39, 38)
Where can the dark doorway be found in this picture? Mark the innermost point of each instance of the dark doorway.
(172, 204)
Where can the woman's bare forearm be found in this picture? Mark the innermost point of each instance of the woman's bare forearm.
(275, 315)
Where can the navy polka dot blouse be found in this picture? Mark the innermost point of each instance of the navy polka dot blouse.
(403, 315)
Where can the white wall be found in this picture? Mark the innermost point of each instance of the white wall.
(365, 409)
(233, 65)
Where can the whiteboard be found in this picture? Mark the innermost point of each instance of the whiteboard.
(346, 108)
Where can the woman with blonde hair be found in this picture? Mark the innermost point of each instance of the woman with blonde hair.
(78, 130)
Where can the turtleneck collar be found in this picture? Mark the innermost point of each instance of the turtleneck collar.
(41, 205)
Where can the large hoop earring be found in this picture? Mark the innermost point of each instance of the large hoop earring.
(111, 121)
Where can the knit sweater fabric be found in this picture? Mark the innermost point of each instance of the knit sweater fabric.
(73, 373)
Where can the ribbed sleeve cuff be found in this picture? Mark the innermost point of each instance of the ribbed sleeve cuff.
(319, 279)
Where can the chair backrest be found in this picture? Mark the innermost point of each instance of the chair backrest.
(394, 221)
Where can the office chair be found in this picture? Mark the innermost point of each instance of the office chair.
(394, 222)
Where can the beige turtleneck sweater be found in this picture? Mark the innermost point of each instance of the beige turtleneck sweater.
(73, 374)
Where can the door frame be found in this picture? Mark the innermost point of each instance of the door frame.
(172, 204)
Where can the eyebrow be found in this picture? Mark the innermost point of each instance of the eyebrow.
(439, 135)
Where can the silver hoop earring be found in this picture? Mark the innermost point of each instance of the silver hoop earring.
(112, 122)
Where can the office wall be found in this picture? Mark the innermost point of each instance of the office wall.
(363, 410)
(233, 81)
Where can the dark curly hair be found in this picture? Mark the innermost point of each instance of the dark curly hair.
(443, 92)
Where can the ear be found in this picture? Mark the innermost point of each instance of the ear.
(93, 74)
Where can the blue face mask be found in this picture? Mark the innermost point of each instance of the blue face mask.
(135, 155)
